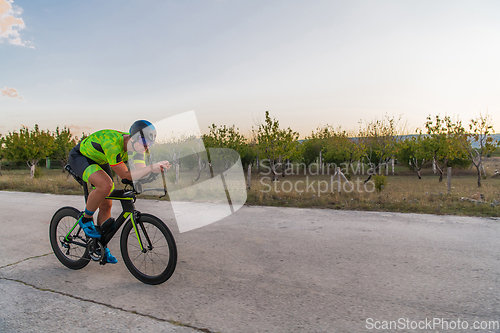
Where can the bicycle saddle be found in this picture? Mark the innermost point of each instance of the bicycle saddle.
(71, 172)
(121, 194)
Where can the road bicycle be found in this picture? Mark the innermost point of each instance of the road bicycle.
(147, 246)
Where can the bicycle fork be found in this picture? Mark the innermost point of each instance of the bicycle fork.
(134, 218)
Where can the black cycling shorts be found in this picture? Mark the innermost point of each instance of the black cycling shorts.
(84, 166)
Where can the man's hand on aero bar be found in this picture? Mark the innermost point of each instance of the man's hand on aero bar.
(158, 167)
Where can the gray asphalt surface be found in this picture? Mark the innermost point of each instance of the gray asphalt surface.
(262, 269)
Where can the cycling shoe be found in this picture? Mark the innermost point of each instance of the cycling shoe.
(89, 228)
(109, 257)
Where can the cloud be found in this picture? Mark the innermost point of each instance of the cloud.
(10, 24)
(79, 128)
(10, 92)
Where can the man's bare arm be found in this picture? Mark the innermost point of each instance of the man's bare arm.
(142, 171)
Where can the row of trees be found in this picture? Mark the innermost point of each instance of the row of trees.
(443, 142)
(30, 146)
(449, 143)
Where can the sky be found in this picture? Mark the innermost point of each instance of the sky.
(91, 64)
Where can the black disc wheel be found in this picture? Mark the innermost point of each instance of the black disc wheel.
(155, 261)
(68, 241)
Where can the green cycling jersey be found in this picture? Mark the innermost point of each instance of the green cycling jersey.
(107, 147)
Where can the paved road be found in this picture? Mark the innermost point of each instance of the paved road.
(262, 269)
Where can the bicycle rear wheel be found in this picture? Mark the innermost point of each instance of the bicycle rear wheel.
(156, 261)
(68, 243)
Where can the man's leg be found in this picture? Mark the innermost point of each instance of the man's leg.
(104, 211)
(103, 186)
(105, 207)
(93, 173)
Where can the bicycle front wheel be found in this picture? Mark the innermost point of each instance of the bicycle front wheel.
(153, 262)
(68, 242)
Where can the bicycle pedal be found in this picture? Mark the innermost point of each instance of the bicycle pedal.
(96, 250)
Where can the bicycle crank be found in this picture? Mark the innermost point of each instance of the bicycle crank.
(96, 250)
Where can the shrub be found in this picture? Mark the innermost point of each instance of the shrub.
(380, 182)
(38, 172)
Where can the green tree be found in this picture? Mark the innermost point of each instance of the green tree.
(229, 137)
(413, 153)
(311, 147)
(28, 146)
(341, 148)
(444, 143)
(64, 141)
(378, 141)
(1, 152)
(336, 146)
(478, 142)
(276, 144)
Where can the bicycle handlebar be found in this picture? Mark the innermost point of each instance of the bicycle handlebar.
(152, 177)
(153, 189)
(127, 182)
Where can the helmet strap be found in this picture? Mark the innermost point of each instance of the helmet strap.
(144, 142)
(133, 144)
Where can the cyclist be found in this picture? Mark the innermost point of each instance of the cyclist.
(94, 157)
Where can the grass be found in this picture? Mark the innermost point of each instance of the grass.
(403, 192)
(51, 181)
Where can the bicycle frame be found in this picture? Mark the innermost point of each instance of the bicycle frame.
(127, 200)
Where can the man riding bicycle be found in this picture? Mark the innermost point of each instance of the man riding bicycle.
(94, 157)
